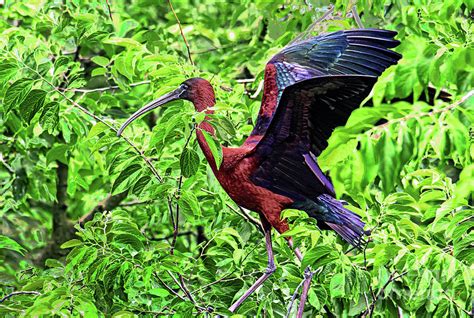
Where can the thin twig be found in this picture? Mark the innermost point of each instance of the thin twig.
(169, 288)
(455, 303)
(110, 11)
(25, 292)
(182, 33)
(245, 80)
(100, 89)
(293, 298)
(10, 169)
(247, 216)
(136, 202)
(180, 183)
(186, 291)
(391, 278)
(356, 17)
(417, 115)
(259, 89)
(314, 24)
(90, 114)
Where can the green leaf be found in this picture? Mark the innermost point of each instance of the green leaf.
(123, 176)
(97, 129)
(189, 162)
(317, 256)
(16, 93)
(7, 70)
(189, 204)
(32, 104)
(100, 60)
(129, 239)
(9, 244)
(338, 285)
(50, 116)
(71, 243)
(125, 42)
(160, 292)
(216, 149)
(58, 152)
(140, 185)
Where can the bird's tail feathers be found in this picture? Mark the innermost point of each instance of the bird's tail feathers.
(345, 222)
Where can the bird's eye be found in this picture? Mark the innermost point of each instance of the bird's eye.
(185, 86)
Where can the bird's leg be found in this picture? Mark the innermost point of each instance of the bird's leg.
(268, 272)
(308, 275)
(295, 250)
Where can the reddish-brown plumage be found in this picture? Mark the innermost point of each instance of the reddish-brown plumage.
(310, 88)
(237, 166)
(270, 96)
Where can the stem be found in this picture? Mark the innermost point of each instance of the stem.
(416, 115)
(90, 114)
(110, 11)
(101, 89)
(182, 33)
(180, 183)
(356, 17)
(19, 293)
(391, 278)
(247, 216)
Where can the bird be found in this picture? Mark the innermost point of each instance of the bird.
(310, 88)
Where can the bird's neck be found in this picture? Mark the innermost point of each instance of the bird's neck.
(207, 127)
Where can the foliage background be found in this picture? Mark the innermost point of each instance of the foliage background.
(405, 164)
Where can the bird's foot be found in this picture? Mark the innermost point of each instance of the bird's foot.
(271, 268)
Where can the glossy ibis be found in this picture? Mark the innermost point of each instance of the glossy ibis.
(310, 88)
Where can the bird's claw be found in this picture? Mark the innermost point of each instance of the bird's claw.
(308, 273)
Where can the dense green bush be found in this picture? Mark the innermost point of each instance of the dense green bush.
(405, 164)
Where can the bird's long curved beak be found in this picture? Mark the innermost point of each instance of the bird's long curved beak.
(174, 95)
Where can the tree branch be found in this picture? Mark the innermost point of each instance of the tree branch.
(393, 276)
(97, 118)
(417, 115)
(180, 183)
(356, 17)
(100, 89)
(182, 33)
(108, 204)
(25, 292)
(110, 11)
(247, 217)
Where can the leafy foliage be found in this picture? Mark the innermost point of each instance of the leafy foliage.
(70, 73)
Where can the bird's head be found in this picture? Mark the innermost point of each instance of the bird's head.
(196, 90)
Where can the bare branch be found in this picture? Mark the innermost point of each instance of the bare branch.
(110, 11)
(108, 204)
(169, 288)
(101, 89)
(23, 292)
(259, 89)
(417, 115)
(356, 17)
(97, 118)
(293, 298)
(4, 163)
(245, 80)
(247, 216)
(182, 33)
(393, 276)
(181, 284)
(325, 16)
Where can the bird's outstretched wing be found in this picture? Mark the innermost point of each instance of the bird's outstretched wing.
(315, 85)
(348, 52)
